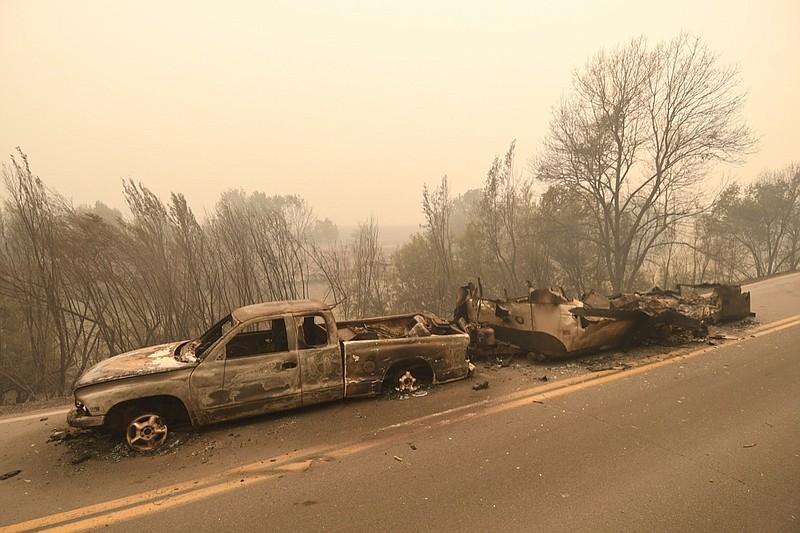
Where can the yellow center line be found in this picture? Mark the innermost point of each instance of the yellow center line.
(129, 507)
(169, 492)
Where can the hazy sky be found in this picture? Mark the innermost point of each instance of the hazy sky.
(353, 105)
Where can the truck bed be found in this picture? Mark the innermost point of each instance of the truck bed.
(373, 347)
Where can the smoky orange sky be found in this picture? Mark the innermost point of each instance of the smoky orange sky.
(353, 105)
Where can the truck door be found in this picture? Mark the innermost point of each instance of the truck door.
(259, 371)
(321, 371)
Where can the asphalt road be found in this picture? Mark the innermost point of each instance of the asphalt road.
(708, 440)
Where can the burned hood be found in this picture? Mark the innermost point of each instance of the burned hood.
(150, 360)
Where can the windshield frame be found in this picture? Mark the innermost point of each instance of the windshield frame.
(203, 344)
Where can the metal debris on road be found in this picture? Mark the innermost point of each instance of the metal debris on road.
(481, 386)
(9, 475)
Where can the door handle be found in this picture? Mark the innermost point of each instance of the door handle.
(289, 364)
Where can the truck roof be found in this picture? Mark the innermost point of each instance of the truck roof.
(278, 308)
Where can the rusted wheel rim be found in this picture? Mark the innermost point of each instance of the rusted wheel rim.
(146, 432)
(407, 382)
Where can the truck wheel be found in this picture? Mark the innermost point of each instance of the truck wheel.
(146, 432)
(406, 382)
(407, 379)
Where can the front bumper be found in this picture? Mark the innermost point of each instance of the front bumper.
(78, 418)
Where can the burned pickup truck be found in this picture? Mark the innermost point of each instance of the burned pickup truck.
(263, 358)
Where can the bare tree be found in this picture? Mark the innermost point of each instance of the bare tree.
(334, 262)
(263, 241)
(31, 273)
(437, 207)
(197, 277)
(637, 135)
(503, 217)
(355, 273)
(230, 246)
(764, 220)
(369, 293)
(413, 285)
(563, 224)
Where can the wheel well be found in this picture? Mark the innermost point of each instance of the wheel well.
(170, 407)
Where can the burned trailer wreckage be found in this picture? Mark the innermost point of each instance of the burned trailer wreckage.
(547, 323)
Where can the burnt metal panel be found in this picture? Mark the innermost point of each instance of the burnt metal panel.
(149, 360)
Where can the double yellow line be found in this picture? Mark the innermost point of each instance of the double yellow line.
(137, 505)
